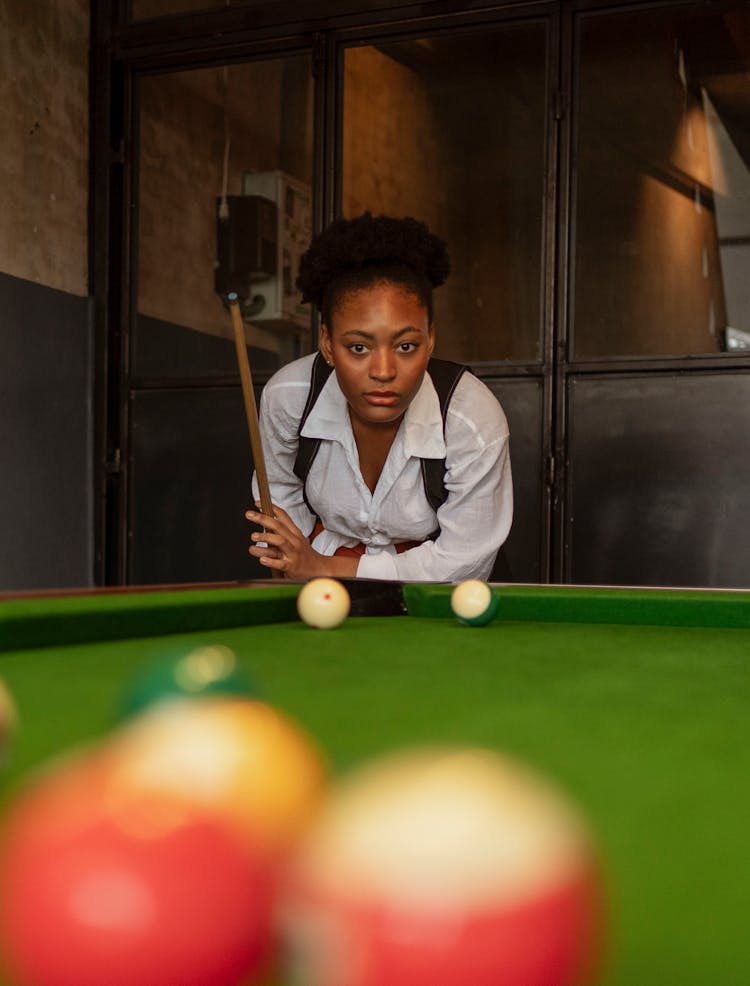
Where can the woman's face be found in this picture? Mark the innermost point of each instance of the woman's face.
(379, 342)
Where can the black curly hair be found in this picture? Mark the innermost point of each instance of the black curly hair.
(352, 254)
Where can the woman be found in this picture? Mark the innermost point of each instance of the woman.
(362, 509)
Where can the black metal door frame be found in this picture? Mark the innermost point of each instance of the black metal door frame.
(122, 51)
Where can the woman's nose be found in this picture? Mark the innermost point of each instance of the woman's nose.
(382, 365)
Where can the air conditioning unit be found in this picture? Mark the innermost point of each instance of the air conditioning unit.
(274, 302)
(246, 243)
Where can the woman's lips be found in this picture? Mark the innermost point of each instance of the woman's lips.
(381, 398)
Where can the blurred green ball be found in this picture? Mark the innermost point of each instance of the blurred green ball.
(207, 670)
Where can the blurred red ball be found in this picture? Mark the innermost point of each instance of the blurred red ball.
(459, 867)
(94, 893)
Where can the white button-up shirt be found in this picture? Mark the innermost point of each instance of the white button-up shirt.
(475, 518)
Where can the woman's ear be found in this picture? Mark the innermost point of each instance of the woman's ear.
(325, 344)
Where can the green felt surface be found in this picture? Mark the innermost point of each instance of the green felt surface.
(646, 725)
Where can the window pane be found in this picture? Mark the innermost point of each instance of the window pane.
(662, 241)
(245, 130)
(451, 131)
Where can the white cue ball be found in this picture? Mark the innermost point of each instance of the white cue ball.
(323, 604)
(474, 603)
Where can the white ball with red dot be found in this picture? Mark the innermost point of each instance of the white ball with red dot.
(473, 602)
(323, 604)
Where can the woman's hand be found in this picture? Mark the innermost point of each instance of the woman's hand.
(290, 552)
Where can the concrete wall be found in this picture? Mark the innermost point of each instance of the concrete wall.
(46, 494)
(44, 150)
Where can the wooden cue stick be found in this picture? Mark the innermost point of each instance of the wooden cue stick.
(251, 411)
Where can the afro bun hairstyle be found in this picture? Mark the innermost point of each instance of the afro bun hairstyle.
(352, 254)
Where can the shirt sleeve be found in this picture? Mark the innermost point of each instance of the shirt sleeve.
(281, 406)
(476, 517)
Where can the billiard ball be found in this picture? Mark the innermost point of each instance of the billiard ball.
(474, 603)
(133, 891)
(444, 866)
(195, 672)
(323, 603)
(241, 760)
(8, 720)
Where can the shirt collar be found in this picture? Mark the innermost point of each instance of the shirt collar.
(423, 424)
(422, 428)
(329, 417)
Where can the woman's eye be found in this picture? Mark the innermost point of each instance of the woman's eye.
(358, 348)
(407, 347)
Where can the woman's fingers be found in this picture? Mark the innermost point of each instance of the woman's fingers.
(278, 563)
(269, 538)
(264, 552)
(278, 524)
(281, 545)
(279, 512)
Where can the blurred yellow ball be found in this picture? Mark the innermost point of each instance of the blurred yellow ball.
(243, 760)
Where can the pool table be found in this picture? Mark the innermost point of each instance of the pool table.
(636, 700)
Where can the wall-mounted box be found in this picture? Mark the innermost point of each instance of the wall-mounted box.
(280, 307)
(246, 244)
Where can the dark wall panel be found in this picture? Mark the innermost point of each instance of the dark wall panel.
(659, 480)
(521, 399)
(46, 484)
(190, 486)
(165, 351)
